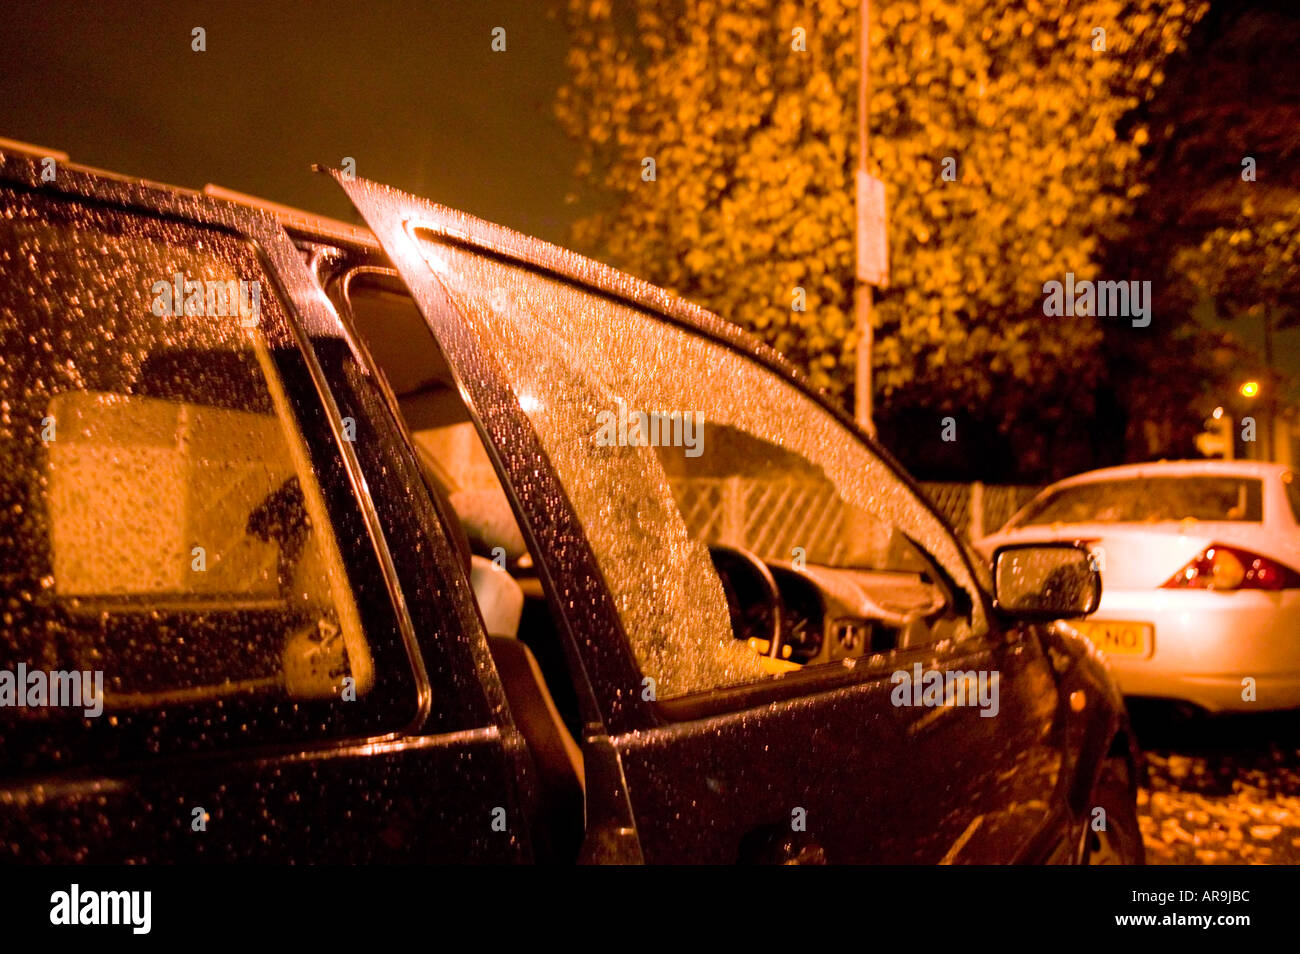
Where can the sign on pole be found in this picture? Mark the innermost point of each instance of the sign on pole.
(873, 253)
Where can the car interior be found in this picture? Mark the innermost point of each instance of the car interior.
(522, 636)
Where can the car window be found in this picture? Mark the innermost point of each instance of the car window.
(1150, 500)
(688, 463)
(1292, 493)
(166, 536)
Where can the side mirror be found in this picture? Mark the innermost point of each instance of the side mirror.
(1046, 580)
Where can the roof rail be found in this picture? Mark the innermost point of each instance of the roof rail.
(297, 218)
(31, 149)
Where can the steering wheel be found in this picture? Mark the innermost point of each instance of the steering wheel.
(737, 568)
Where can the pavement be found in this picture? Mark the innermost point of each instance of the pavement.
(1221, 790)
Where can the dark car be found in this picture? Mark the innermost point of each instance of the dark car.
(435, 542)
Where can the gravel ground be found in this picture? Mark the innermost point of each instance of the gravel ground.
(1222, 790)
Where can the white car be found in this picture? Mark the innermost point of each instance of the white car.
(1200, 566)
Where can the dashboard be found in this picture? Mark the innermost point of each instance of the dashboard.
(810, 614)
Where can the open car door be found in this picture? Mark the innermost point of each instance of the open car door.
(703, 742)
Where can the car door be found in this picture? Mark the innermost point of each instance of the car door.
(697, 748)
(276, 665)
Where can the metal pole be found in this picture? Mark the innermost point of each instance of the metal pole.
(861, 290)
(1271, 453)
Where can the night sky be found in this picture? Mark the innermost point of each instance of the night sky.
(411, 90)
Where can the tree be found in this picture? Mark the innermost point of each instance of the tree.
(1251, 270)
(747, 109)
(1220, 162)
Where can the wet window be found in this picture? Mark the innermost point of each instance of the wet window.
(752, 493)
(706, 485)
(164, 534)
(1150, 500)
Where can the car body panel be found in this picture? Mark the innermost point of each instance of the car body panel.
(457, 755)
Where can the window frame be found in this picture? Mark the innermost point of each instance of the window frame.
(385, 617)
(465, 648)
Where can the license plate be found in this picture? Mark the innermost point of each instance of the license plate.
(1117, 638)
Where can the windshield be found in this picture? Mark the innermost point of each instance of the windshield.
(1149, 500)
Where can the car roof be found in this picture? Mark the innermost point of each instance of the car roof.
(1178, 468)
(300, 222)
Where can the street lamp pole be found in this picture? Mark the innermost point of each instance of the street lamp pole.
(861, 290)
(1270, 396)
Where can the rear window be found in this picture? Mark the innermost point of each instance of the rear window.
(1150, 500)
(1292, 493)
(168, 552)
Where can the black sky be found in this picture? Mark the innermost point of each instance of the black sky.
(411, 90)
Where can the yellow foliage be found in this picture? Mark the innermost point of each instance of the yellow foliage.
(1252, 271)
(755, 145)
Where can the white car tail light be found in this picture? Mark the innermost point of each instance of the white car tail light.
(1230, 568)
